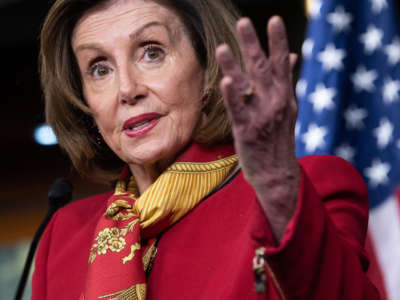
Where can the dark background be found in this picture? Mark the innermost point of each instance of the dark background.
(29, 169)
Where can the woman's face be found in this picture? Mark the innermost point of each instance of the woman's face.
(141, 78)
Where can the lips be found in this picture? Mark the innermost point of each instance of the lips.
(141, 124)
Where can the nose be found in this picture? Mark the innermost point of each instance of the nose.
(131, 89)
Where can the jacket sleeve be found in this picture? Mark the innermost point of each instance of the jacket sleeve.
(321, 255)
(39, 279)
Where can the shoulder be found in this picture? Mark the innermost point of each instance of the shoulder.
(330, 173)
(79, 215)
(78, 219)
(85, 206)
(322, 163)
(67, 238)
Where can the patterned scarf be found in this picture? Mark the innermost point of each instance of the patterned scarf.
(124, 242)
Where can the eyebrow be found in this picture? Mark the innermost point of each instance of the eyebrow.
(133, 36)
(138, 32)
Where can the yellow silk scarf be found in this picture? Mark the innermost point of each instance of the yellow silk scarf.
(180, 188)
(128, 218)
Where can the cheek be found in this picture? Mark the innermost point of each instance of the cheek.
(185, 103)
(180, 80)
(101, 103)
(186, 117)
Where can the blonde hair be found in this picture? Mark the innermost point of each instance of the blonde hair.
(209, 24)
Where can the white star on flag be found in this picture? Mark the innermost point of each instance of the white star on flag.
(314, 137)
(393, 51)
(315, 8)
(340, 19)
(383, 133)
(377, 173)
(355, 117)
(372, 39)
(331, 58)
(378, 5)
(307, 48)
(322, 97)
(301, 88)
(363, 80)
(346, 152)
(391, 90)
(297, 129)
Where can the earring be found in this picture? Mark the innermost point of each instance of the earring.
(94, 131)
(99, 138)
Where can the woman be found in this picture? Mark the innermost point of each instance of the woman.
(134, 89)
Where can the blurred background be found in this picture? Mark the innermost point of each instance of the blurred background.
(28, 167)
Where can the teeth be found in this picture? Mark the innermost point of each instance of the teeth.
(139, 125)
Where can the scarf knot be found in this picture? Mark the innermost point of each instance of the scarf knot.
(122, 207)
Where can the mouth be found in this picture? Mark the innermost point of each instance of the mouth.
(141, 124)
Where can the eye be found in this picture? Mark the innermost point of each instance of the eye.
(153, 53)
(99, 70)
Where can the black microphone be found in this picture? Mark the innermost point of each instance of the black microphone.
(60, 194)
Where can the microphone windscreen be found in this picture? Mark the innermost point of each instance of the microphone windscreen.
(60, 193)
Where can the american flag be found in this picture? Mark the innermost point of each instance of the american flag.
(349, 105)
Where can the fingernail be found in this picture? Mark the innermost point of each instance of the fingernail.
(246, 26)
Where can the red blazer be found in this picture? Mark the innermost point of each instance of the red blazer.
(208, 254)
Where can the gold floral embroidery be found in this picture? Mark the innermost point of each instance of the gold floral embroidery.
(103, 236)
(101, 248)
(114, 210)
(131, 255)
(107, 239)
(149, 256)
(135, 292)
(129, 227)
(116, 244)
(114, 231)
(113, 239)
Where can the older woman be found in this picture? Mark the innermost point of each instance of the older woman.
(134, 90)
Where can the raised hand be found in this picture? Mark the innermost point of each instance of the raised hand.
(263, 109)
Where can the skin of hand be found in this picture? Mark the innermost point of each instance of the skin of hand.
(263, 126)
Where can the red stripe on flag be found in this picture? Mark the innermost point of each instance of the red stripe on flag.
(398, 197)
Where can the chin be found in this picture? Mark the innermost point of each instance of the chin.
(152, 154)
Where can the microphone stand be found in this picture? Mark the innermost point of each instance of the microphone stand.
(60, 194)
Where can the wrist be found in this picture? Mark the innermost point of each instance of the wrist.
(276, 181)
(278, 197)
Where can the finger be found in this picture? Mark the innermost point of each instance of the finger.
(228, 64)
(231, 69)
(278, 48)
(256, 62)
(235, 107)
